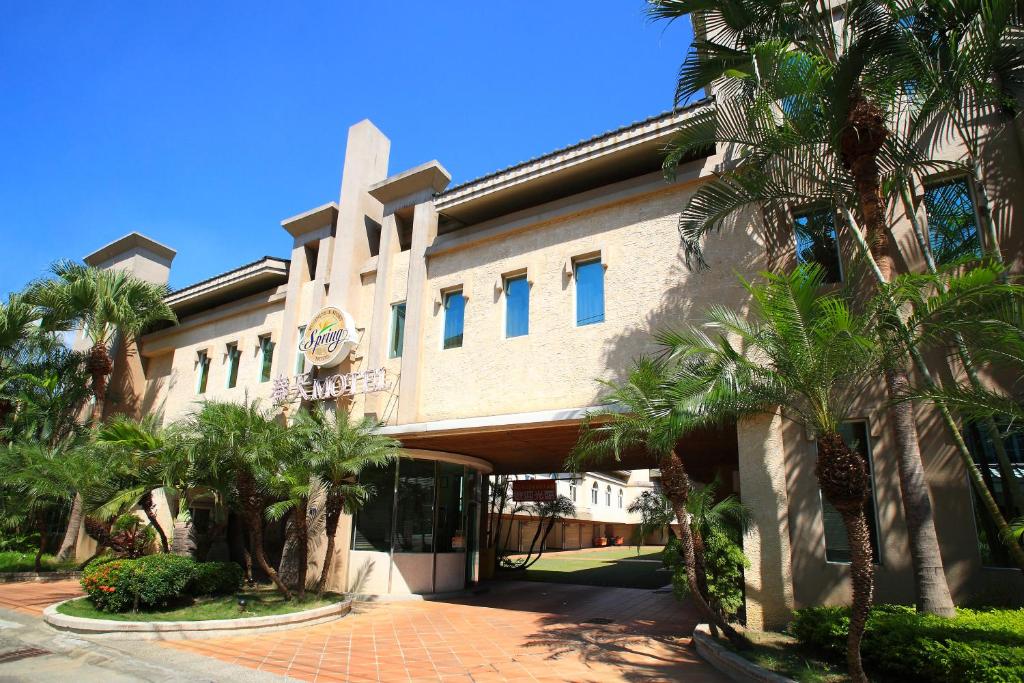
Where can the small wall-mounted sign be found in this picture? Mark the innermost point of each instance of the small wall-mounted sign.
(534, 490)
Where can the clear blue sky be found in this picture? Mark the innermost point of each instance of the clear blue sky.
(203, 125)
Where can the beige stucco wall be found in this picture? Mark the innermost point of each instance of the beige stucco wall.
(556, 364)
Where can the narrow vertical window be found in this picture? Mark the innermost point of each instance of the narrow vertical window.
(816, 242)
(202, 372)
(266, 358)
(454, 319)
(397, 333)
(593, 494)
(517, 306)
(952, 222)
(620, 499)
(234, 356)
(608, 496)
(300, 357)
(837, 545)
(572, 491)
(589, 292)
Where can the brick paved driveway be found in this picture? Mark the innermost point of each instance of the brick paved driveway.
(517, 631)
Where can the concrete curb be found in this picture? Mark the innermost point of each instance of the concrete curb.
(190, 630)
(729, 663)
(39, 577)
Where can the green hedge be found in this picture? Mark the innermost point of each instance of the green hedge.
(155, 580)
(216, 578)
(982, 646)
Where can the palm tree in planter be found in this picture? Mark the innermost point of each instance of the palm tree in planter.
(643, 417)
(240, 443)
(106, 305)
(144, 462)
(295, 484)
(807, 352)
(341, 447)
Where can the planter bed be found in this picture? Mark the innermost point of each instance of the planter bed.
(125, 626)
(56, 575)
(776, 651)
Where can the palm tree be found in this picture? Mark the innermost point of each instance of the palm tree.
(809, 353)
(39, 479)
(640, 417)
(810, 106)
(655, 512)
(709, 517)
(341, 448)
(105, 304)
(296, 484)
(239, 443)
(18, 325)
(547, 513)
(143, 462)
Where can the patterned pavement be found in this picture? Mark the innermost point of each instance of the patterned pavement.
(515, 631)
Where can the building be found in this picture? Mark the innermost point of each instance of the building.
(601, 501)
(476, 320)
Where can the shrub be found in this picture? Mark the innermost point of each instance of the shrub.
(104, 582)
(723, 563)
(986, 646)
(151, 581)
(216, 578)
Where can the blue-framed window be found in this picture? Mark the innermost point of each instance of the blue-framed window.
(589, 277)
(234, 359)
(454, 319)
(397, 339)
(816, 242)
(952, 221)
(266, 358)
(202, 371)
(517, 306)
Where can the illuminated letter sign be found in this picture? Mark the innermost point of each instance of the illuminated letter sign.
(329, 336)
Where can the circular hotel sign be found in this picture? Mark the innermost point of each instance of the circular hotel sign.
(329, 336)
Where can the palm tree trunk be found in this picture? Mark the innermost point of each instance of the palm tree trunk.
(543, 540)
(843, 478)
(288, 569)
(41, 526)
(861, 143)
(70, 542)
(933, 594)
(331, 517)
(1014, 549)
(99, 366)
(252, 508)
(302, 530)
(146, 503)
(676, 483)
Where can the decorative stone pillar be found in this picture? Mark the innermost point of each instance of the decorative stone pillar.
(762, 469)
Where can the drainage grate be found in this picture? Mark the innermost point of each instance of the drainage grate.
(24, 653)
(599, 620)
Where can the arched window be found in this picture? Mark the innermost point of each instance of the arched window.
(608, 496)
(620, 499)
(593, 494)
(572, 490)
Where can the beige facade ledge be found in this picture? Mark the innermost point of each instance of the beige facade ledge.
(132, 240)
(189, 630)
(321, 216)
(490, 422)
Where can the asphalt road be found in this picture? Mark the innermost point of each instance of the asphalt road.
(32, 651)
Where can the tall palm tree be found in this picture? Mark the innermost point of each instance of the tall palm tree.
(709, 516)
(808, 105)
(655, 512)
(809, 353)
(295, 484)
(240, 443)
(105, 304)
(18, 324)
(341, 447)
(640, 417)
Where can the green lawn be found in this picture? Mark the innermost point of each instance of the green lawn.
(14, 561)
(259, 604)
(617, 566)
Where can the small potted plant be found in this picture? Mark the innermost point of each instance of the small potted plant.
(619, 540)
(600, 542)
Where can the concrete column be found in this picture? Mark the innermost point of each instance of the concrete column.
(366, 163)
(417, 313)
(380, 321)
(762, 469)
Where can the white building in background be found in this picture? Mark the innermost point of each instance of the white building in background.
(602, 501)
